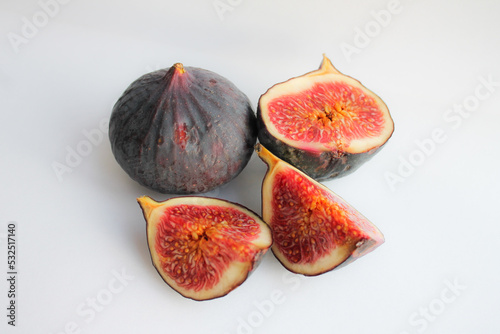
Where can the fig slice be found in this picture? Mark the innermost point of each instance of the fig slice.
(204, 247)
(314, 230)
(325, 123)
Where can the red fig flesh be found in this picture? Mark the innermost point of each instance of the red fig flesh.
(203, 247)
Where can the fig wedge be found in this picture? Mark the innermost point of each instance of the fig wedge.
(314, 230)
(203, 247)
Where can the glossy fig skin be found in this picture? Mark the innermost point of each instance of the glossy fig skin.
(182, 130)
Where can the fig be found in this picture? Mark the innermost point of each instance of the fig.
(314, 230)
(204, 247)
(325, 123)
(182, 130)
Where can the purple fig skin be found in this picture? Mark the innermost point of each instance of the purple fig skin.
(321, 166)
(182, 130)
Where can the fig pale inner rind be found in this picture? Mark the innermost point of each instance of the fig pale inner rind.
(314, 230)
(204, 247)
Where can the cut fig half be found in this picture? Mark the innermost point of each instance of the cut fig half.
(203, 247)
(314, 230)
(325, 123)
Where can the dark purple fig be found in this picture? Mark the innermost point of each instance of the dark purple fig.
(182, 130)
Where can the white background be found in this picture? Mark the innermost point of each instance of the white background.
(76, 232)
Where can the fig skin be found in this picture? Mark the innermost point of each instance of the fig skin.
(321, 164)
(153, 211)
(332, 248)
(182, 130)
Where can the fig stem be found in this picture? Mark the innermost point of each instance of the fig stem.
(147, 205)
(263, 153)
(326, 67)
(179, 68)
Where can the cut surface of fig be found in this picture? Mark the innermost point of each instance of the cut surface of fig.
(182, 130)
(203, 247)
(314, 230)
(324, 123)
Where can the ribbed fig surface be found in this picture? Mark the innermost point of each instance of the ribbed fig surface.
(203, 247)
(314, 230)
(182, 130)
(324, 123)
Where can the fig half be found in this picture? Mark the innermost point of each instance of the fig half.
(203, 247)
(325, 123)
(314, 230)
